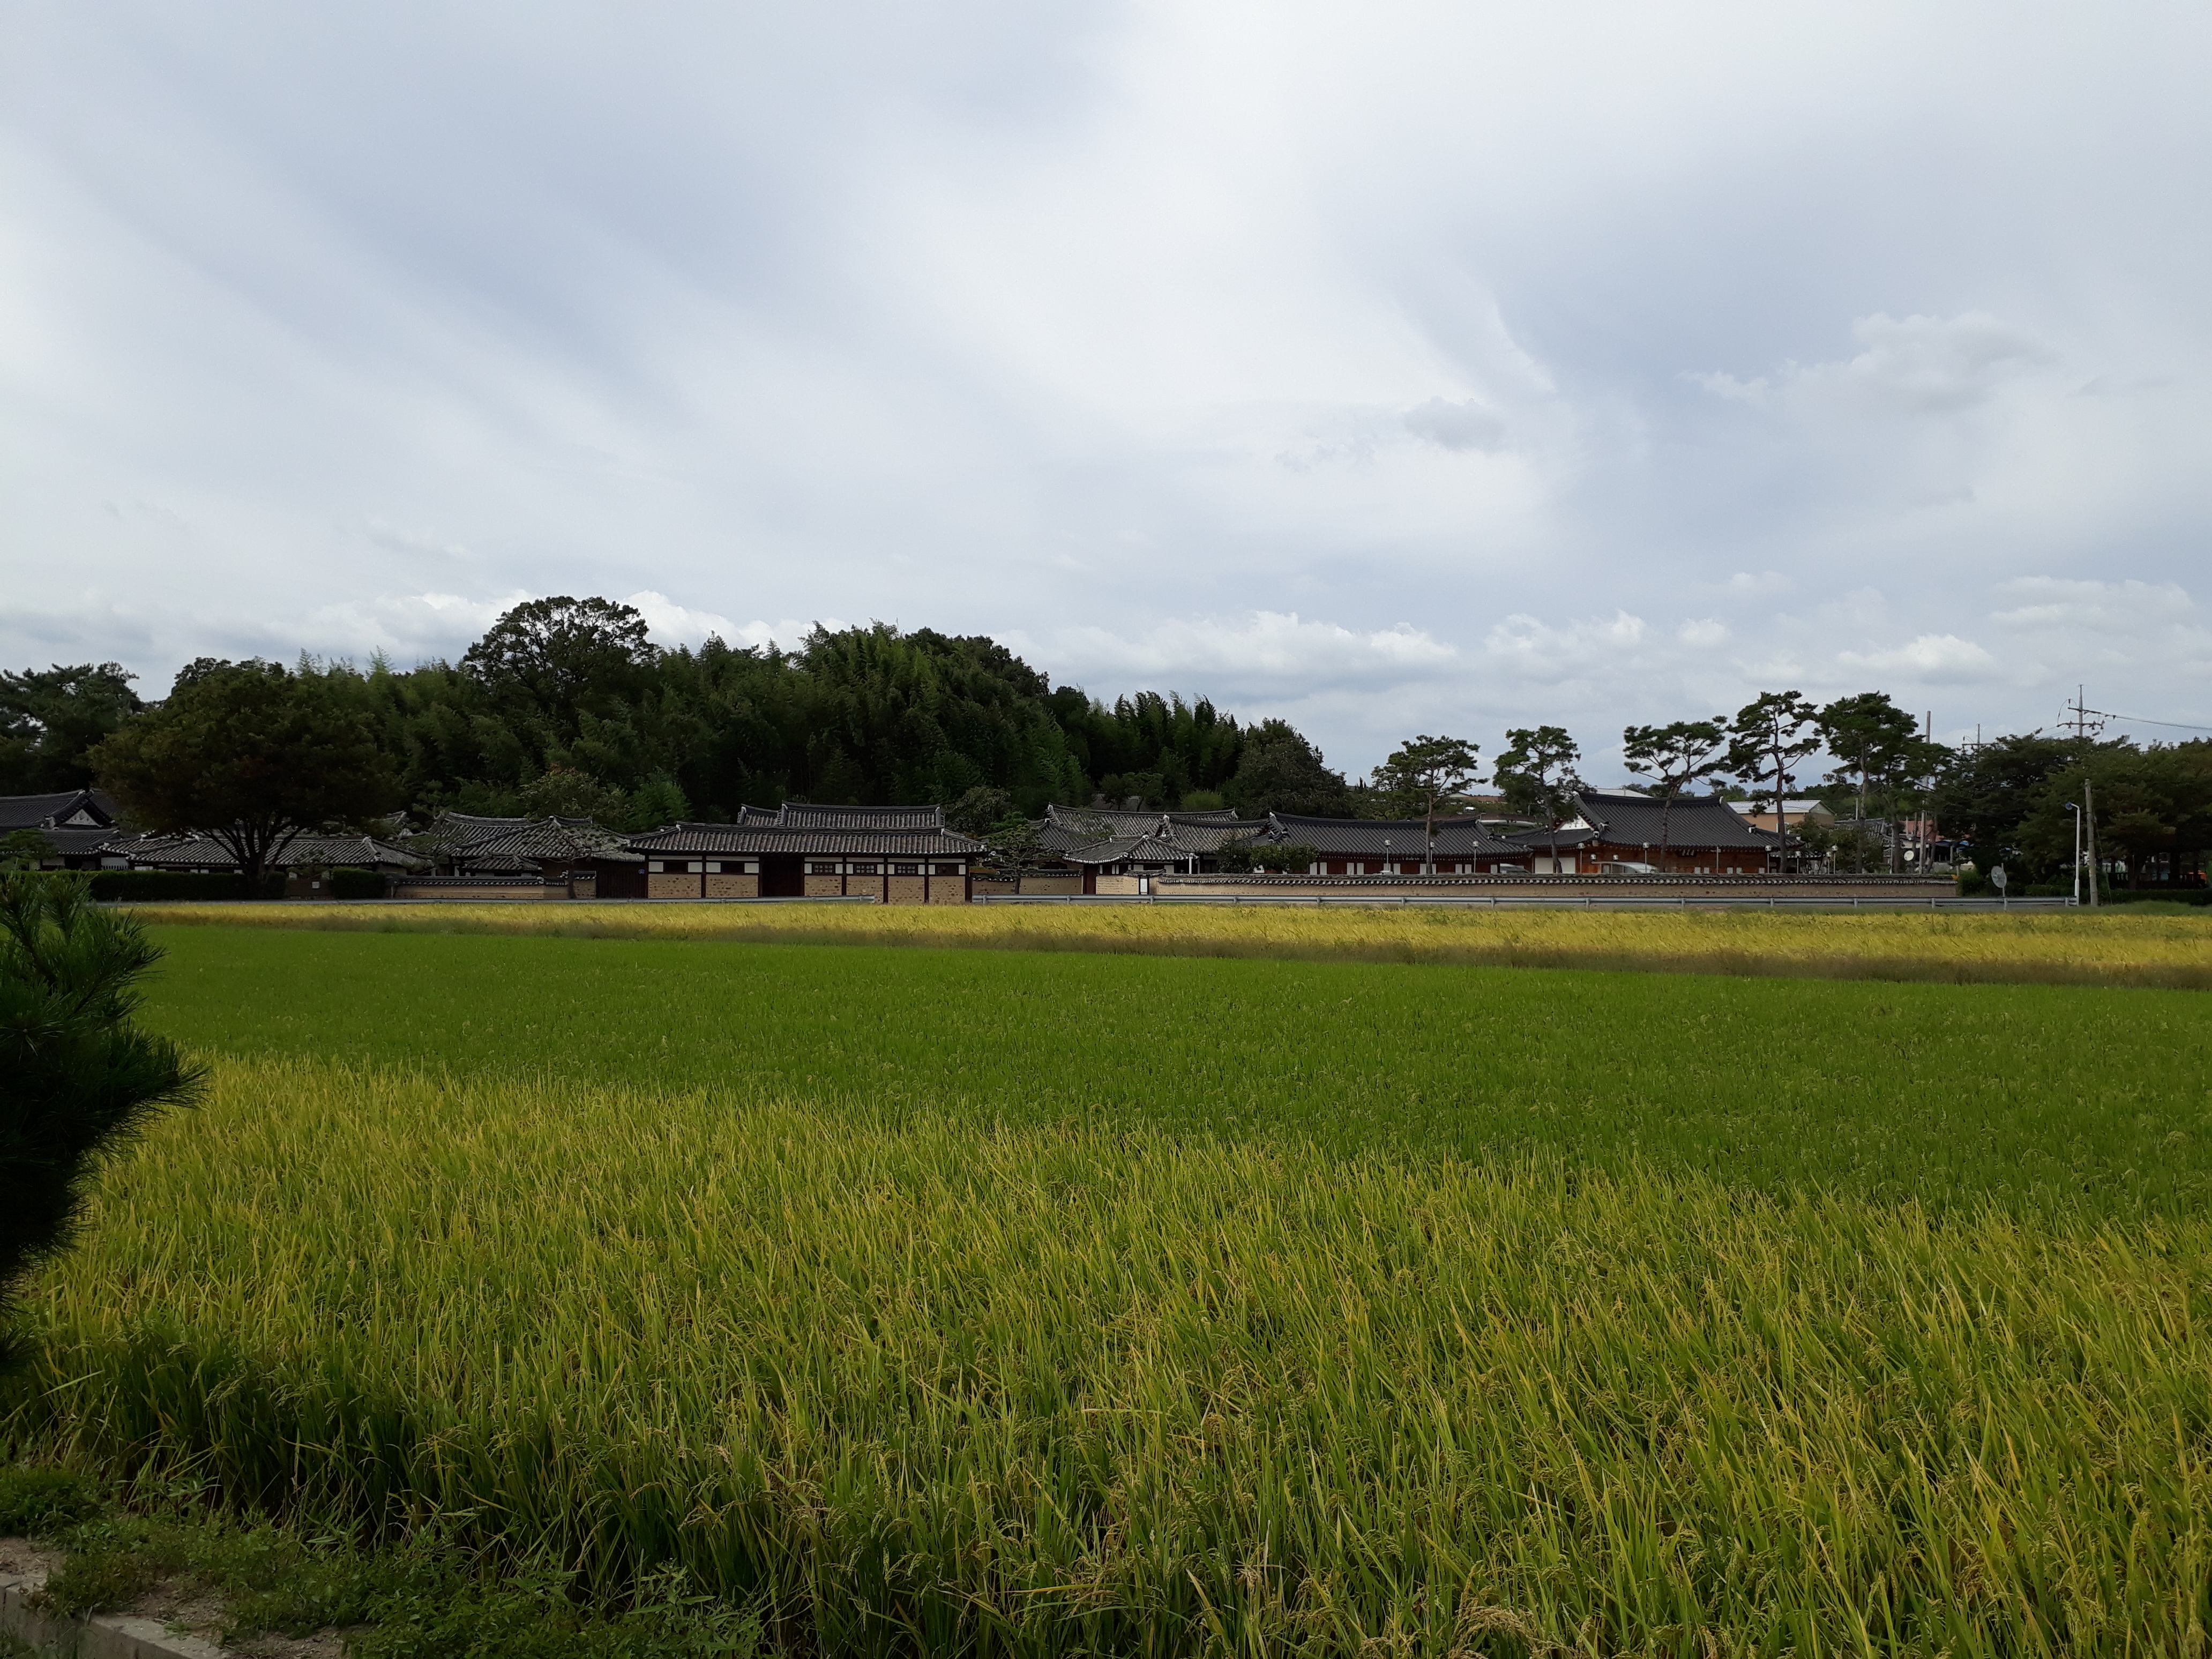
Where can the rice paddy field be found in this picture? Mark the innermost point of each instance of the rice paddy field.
(2097, 947)
(1177, 1297)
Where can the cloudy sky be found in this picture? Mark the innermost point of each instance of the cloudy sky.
(1391, 367)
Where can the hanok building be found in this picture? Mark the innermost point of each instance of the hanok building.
(202, 854)
(893, 855)
(1122, 846)
(573, 854)
(1626, 834)
(1464, 846)
(77, 825)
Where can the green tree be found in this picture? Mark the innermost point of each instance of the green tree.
(977, 810)
(560, 656)
(1279, 771)
(1984, 794)
(51, 718)
(563, 791)
(2152, 805)
(1536, 774)
(251, 755)
(1674, 756)
(79, 1078)
(1767, 739)
(23, 849)
(1013, 845)
(1421, 771)
(659, 801)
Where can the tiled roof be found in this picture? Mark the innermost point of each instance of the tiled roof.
(1066, 828)
(205, 853)
(1627, 820)
(42, 811)
(1544, 840)
(76, 840)
(1194, 833)
(552, 838)
(466, 830)
(1456, 837)
(1132, 849)
(710, 839)
(800, 815)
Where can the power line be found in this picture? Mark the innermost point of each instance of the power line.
(2141, 719)
(2090, 722)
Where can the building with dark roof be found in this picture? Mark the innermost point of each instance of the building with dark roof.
(573, 854)
(1397, 847)
(897, 855)
(200, 855)
(1697, 835)
(76, 824)
(1118, 844)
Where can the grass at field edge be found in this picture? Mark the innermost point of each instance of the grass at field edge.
(2158, 953)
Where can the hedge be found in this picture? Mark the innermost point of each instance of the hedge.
(148, 886)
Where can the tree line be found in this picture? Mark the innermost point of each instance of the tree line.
(565, 706)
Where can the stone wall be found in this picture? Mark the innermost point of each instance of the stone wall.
(1662, 888)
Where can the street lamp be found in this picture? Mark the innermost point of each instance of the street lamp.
(1387, 869)
(2074, 807)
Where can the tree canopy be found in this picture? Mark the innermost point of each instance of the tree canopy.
(49, 717)
(254, 754)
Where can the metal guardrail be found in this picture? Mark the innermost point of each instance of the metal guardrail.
(1505, 902)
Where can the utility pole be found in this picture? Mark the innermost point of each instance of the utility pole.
(2074, 807)
(2089, 816)
(2087, 722)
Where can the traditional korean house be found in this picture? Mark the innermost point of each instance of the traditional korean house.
(1118, 843)
(1609, 833)
(894, 855)
(1397, 847)
(76, 824)
(201, 854)
(573, 854)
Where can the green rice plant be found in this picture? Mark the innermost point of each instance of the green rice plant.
(2030, 1096)
(2067, 948)
(920, 1383)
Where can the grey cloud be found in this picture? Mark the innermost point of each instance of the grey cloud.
(1094, 328)
(1455, 426)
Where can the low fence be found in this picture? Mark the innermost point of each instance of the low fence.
(1545, 901)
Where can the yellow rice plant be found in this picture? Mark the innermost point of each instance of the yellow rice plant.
(931, 1386)
(2102, 948)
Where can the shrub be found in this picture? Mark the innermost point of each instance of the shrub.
(81, 1079)
(164, 886)
(43, 1500)
(356, 884)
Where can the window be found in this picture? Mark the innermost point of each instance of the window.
(906, 869)
(654, 866)
(821, 869)
(863, 869)
(946, 869)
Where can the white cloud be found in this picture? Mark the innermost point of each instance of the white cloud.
(1936, 658)
(1914, 365)
(1755, 583)
(2105, 607)
(1703, 633)
(1274, 648)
